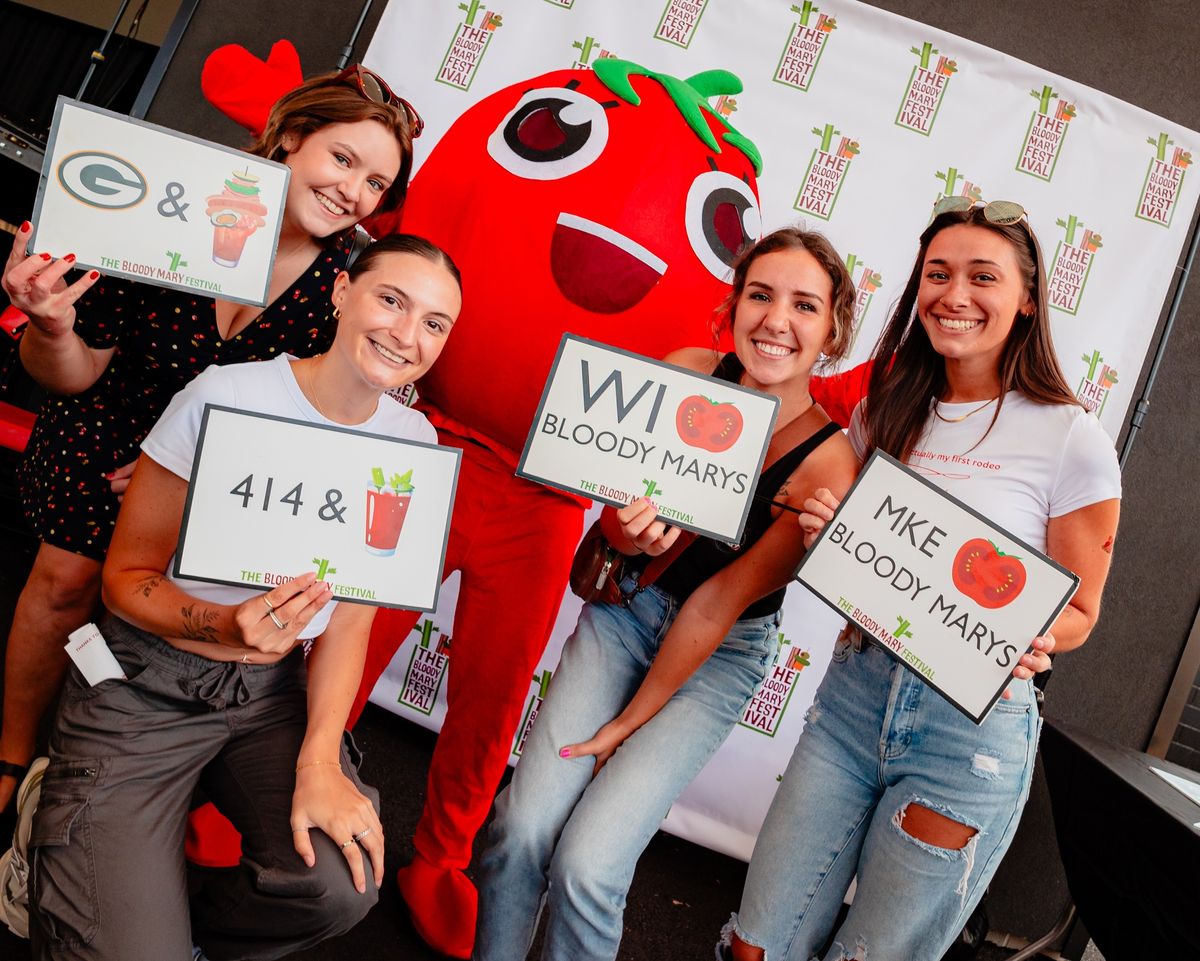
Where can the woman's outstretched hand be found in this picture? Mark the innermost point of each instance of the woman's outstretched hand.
(602, 745)
(36, 286)
(327, 800)
(640, 526)
(818, 511)
(272, 622)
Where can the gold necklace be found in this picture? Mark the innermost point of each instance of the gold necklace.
(959, 420)
(312, 386)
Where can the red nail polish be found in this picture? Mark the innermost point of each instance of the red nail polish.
(93, 275)
(25, 227)
(70, 258)
(44, 256)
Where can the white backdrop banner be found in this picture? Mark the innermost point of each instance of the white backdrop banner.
(864, 119)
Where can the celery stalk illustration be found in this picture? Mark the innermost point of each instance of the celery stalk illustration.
(950, 177)
(323, 567)
(377, 478)
(1070, 225)
(1160, 145)
(806, 10)
(826, 133)
(927, 50)
(1044, 97)
(585, 48)
(470, 9)
(1092, 363)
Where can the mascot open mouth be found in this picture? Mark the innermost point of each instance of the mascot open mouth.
(598, 269)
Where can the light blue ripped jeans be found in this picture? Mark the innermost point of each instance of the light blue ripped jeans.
(562, 838)
(878, 739)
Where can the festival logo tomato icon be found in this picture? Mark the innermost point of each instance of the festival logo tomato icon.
(708, 425)
(987, 575)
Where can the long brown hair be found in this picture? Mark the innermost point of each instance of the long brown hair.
(325, 100)
(793, 238)
(908, 375)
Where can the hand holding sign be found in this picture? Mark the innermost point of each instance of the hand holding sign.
(37, 287)
(641, 528)
(272, 622)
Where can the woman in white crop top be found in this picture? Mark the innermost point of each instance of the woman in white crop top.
(889, 782)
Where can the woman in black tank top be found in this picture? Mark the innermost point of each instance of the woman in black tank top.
(665, 674)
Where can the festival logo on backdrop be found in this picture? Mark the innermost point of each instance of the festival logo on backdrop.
(426, 669)
(531, 710)
(468, 45)
(765, 711)
(725, 105)
(679, 21)
(588, 47)
(1071, 265)
(1095, 385)
(804, 46)
(867, 283)
(1046, 133)
(925, 91)
(1164, 181)
(565, 4)
(827, 169)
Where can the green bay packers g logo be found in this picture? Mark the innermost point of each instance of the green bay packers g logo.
(101, 180)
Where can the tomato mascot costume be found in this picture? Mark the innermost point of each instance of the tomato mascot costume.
(609, 203)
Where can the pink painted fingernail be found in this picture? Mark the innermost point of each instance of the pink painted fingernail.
(565, 752)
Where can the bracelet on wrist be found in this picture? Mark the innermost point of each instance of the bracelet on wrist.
(300, 767)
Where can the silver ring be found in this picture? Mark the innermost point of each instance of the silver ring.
(362, 834)
(282, 625)
(346, 844)
(270, 606)
(245, 658)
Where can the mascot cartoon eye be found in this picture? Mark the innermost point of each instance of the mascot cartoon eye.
(721, 217)
(552, 132)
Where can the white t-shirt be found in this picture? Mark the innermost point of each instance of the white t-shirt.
(266, 387)
(1038, 461)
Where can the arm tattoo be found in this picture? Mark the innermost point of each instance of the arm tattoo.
(147, 584)
(198, 624)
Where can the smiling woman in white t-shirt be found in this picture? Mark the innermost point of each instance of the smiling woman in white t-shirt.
(889, 782)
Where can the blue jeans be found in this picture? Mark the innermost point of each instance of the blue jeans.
(876, 740)
(561, 835)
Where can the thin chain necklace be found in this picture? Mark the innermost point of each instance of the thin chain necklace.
(312, 386)
(959, 420)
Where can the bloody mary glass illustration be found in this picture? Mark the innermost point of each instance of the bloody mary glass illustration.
(235, 213)
(387, 506)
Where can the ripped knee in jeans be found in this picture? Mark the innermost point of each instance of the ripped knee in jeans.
(938, 830)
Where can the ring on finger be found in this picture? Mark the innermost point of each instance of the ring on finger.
(362, 834)
(346, 844)
(266, 600)
(282, 625)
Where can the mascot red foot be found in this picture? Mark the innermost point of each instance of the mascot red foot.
(608, 203)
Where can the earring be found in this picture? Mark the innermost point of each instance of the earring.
(337, 313)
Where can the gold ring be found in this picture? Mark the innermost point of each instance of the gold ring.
(346, 844)
(270, 606)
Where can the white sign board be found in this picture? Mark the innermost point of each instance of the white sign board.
(954, 598)
(271, 498)
(615, 426)
(135, 200)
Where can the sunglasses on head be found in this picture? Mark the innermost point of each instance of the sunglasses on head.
(995, 212)
(374, 88)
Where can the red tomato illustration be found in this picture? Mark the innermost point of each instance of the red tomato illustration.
(708, 425)
(987, 575)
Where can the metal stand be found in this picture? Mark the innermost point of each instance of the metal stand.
(97, 57)
(1034, 948)
(348, 50)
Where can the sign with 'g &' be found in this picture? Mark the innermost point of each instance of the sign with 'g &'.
(614, 426)
(135, 200)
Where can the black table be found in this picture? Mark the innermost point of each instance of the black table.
(1128, 844)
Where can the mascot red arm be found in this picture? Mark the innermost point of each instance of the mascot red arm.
(608, 203)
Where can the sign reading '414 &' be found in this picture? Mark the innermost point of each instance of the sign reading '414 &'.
(614, 426)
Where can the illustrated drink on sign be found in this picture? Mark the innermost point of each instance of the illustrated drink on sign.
(236, 212)
(386, 510)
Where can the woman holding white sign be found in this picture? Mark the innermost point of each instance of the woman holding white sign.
(890, 782)
(216, 690)
(661, 677)
(112, 353)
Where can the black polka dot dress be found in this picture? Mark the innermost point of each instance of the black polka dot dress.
(163, 339)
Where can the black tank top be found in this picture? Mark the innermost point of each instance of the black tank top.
(704, 557)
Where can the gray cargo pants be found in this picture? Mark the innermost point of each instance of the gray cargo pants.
(109, 881)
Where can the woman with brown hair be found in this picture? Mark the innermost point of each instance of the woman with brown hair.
(889, 782)
(112, 353)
